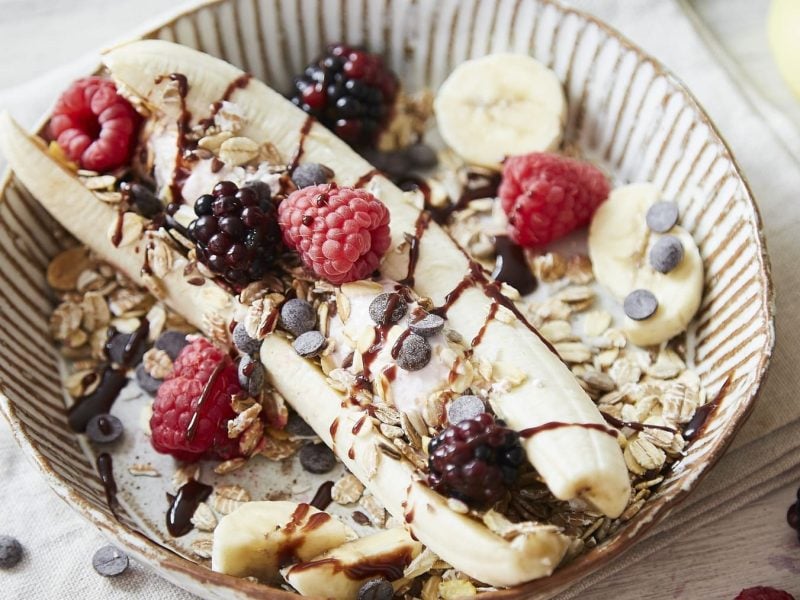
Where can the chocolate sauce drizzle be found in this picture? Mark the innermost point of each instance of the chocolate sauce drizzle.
(180, 173)
(322, 499)
(413, 249)
(619, 424)
(552, 425)
(239, 83)
(112, 381)
(390, 566)
(191, 429)
(479, 185)
(105, 468)
(365, 178)
(511, 267)
(183, 505)
(489, 318)
(703, 413)
(309, 122)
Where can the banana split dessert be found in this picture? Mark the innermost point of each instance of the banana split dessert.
(302, 279)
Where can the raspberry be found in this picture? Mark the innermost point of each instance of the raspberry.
(95, 126)
(177, 399)
(340, 233)
(350, 91)
(763, 593)
(546, 196)
(236, 232)
(475, 461)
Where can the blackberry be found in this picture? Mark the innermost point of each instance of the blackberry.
(475, 461)
(350, 91)
(236, 231)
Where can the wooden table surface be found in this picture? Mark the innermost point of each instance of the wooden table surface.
(752, 546)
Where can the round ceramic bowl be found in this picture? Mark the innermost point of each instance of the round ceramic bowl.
(625, 112)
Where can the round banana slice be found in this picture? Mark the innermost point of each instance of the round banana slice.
(620, 242)
(258, 537)
(500, 105)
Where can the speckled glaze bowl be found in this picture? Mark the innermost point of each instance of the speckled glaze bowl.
(625, 113)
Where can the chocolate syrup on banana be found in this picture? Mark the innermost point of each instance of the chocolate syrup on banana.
(239, 83)
(183, 505)
(112, 381)
(365, 178)
(390, 566)
(309, 122)
(552, 425)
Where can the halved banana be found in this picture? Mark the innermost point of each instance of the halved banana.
(500, 105)
(340, 572)
(619, 244)
(259, 538)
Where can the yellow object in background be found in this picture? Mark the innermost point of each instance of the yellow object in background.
(784, 37)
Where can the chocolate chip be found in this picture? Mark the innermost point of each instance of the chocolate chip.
(310, 344)
(10, 552)
(243, 341)
(116, 349)
(309, 174)
(793, 516)
(640, 304)
(146, 381)
(172, 342)
(422, 156)
(415, 353)
(298, 316)
(388, 307)
(666, 254)
(376, 589)
(104, 429)
(109, 561)
(251, 375)
(464, 407)
(317, 458)
(297, 427)
(142, 199)
(662, 216)
(427, 326)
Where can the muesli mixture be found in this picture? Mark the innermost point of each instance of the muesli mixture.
(300, 254)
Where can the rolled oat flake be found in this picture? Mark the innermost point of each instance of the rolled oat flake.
(109, 561)
(309, 344)
(662, 216)
(666, 254)
(640, 304)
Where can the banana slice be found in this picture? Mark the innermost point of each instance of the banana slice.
(339, 573)
(259, 538)
(619, 246)
(95, 223)
(500, 105)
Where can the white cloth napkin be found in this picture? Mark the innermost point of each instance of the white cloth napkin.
(764, 456)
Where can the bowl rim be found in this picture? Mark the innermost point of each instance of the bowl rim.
(173, 567)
